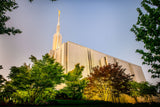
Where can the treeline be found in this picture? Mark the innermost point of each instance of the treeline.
(44, 81)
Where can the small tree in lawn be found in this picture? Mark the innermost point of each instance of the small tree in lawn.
(75, 83)
(108, 82)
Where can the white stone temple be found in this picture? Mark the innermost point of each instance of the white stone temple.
(69, 54)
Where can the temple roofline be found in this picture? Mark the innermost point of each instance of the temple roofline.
(102, 53)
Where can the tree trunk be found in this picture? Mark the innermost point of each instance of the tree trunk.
(135, 98)
(118, 99)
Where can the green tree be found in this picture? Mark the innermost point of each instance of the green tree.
(135, 90)
(142, 89)
(45, 73)
(3, 85)
(2, 81)
(108, 82)
(20, 77)
(147, 30)
(8, 91)
(147, 91)
(36, 83)
(74, 83)
(5, 6)
(20, 83)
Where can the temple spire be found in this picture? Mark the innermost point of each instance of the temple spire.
(57, 39)
(58, 24)
(59, 17)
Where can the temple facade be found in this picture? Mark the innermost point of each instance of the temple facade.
(69, 54)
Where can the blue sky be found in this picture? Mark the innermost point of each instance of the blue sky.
(102, 25)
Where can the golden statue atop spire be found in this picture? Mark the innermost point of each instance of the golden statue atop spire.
(59, 12)
(58, 17)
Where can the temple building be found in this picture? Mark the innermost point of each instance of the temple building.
(69, 54)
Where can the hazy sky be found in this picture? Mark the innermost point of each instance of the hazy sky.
(102, 25)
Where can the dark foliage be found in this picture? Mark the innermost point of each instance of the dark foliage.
(108, 80)
(5, 6)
